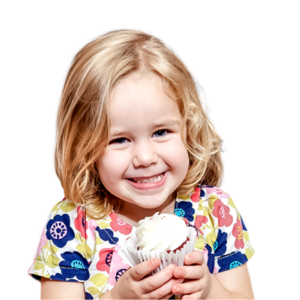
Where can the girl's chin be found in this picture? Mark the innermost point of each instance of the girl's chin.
(150, 202)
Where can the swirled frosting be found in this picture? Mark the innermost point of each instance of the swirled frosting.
(161, 232)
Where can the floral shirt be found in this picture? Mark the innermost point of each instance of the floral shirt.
(75, 248)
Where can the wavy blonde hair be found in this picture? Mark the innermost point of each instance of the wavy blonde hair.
(83, 119)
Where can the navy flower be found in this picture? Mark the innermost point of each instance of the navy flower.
(243, 224)
(88, 296)
(184, 209)
(74, 264)
(107, 235)
(210, 259)
(59, 230)
(221, 243)
(202, 193)
(120, 273)
(231, 261)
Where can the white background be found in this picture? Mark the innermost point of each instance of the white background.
(246, 56)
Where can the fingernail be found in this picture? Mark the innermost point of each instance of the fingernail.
(154, 262)
(179, 273)
(172, 267)
(187, 258)
(177, 288)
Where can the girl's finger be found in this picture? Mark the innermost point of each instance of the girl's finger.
(189, 287)
(141, 270)
(168, 296)
(165, 289)
(191, 272)
(152, 283)
(195, 257)
(192, 296)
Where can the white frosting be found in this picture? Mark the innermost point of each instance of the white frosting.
(161, 232)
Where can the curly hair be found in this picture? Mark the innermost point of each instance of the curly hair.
(83, 119)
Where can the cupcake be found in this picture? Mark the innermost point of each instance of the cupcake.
(165, 236)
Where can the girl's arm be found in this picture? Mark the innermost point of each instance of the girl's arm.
(53, 289)
(232, 284)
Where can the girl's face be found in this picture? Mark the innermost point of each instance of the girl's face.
(145, 160)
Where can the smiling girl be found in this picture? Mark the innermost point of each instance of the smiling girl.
(133, 140)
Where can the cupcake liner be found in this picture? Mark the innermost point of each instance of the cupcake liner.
(133, 257)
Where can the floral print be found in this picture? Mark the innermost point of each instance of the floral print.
(220, 244)
(80, 222)
(221, 211)
(238, 234)
(185, 209)
(107, 235)
(59, 230)
(232, 261)
(73, 264)
(105, 259)
(200, 221)
(117, 224)
(78, 249)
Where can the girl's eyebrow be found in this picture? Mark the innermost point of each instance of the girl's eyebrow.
(163, 123)
(169, 122)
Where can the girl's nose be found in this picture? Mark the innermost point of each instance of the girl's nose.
(144, 156)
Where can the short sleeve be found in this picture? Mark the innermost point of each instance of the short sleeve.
(64, 252)
(227, 240)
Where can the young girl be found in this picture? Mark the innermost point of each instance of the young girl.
(132, 140)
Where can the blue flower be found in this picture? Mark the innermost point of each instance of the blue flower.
(74, 264)
(221, 243)
(59, 230)
(231, 261)
(243, 224)
(210, 259)
(107, 235)
(120, 273)
(184, 209)
(202, 193)
(88, 296)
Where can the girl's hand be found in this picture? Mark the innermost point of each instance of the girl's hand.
(134, 284)
(197, 278)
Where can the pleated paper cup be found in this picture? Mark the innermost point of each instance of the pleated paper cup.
(132, 256)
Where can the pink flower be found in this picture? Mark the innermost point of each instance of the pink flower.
(238, 234)
(118, 267)
(80, 222)
(92, 225)
(195, 196)
(219, 192)
(200, 220)
(104, 263)
(205, 254)
(42, 243)
(118, 224)
(221, 211)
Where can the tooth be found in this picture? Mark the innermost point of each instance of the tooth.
(151, 179)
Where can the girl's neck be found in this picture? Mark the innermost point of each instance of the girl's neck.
(132, 214)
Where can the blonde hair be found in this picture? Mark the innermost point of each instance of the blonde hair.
(83, 121)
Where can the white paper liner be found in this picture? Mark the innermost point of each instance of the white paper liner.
(133, 257)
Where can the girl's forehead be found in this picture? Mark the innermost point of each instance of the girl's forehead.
(140, 102)
(146, 79)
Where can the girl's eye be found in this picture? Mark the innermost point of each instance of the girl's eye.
(118, 141)
(161, 132)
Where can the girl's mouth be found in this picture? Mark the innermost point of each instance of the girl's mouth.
(148, 183)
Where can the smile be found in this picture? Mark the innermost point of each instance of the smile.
(147, 183)
(154, 178)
